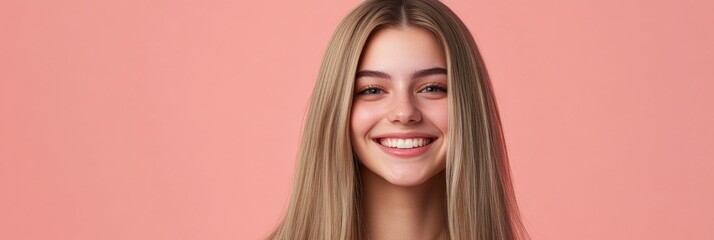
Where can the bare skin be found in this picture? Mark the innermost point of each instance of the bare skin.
(397, 212)
(400, 94)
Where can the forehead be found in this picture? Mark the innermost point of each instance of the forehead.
(402, 49)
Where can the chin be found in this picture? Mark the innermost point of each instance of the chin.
(408, 177)
(412, 182)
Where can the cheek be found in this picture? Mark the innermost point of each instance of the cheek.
(362, 119)
(438, 114)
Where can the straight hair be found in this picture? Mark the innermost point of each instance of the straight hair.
(326, 201)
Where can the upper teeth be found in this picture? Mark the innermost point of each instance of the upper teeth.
(404, 143)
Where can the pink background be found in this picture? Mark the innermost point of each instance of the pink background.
(181, 120)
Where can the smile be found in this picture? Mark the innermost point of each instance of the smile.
(404, 147)
(404, 143)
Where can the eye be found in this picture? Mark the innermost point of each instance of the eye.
(370, 90)
(434, 88)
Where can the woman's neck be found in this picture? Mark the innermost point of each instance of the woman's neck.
(398, 212)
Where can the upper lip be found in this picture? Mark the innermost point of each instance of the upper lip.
(404, 135)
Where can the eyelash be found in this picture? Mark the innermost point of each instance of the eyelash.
(369, 87)
(439, 87)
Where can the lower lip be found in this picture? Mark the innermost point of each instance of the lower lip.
(405, 152)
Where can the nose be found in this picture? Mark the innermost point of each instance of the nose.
(404, 110)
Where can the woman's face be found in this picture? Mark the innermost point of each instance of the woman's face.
(399, 115)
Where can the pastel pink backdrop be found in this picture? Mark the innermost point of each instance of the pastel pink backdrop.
(181, 119)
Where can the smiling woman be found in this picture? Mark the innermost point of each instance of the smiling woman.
(399, 116)
(403, 138)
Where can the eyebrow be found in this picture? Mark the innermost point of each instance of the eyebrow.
(417, 74)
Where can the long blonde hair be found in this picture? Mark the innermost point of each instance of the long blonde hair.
(326, 199)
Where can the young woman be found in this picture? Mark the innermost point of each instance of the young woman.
(403, 138)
